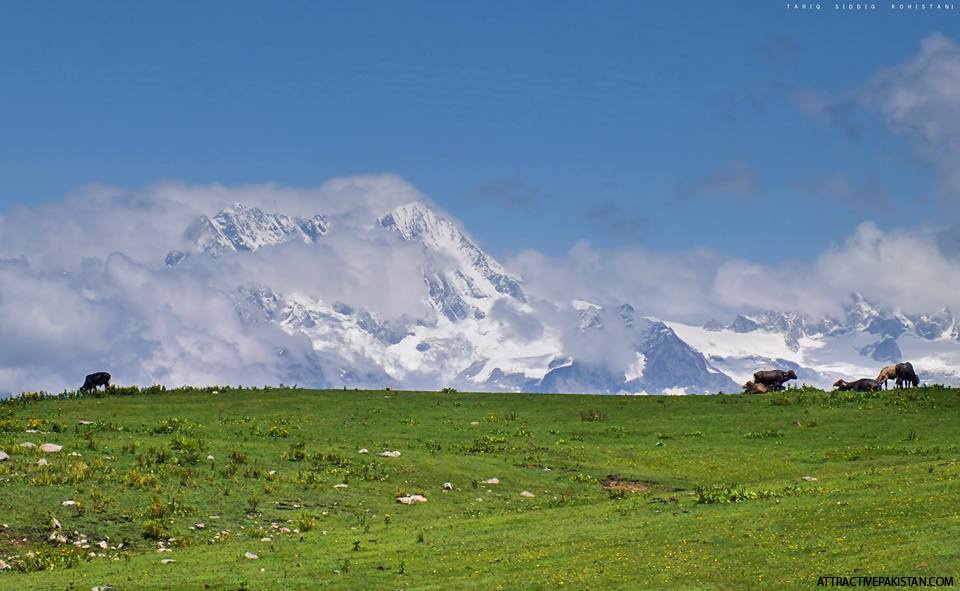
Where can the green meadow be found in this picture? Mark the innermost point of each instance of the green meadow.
(235, 489)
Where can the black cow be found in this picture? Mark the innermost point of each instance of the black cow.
(95, 380)
(861, 385)
(906, 375)
(773, 378)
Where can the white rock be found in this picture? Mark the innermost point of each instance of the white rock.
(84, 422)
(55, 523)
(74, 454)
(490, 481)
(199, 525)
(32, 431)
(341, 485)
(4, 565)
(412, 499)
(474, 423)
(50, 448)
(809, 478)
(69, 503)
(250, 556)
(167, 561)
(390, 454)
(103, 544)
(42, 462)
(447, 486)
(58, 538)
(28, 445)
(527, 494)
(4, 456)
(364, 451)
(210, 458)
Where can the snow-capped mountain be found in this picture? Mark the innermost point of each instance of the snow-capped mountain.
(479, 330)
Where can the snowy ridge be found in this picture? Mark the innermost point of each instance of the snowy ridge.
(241, 228)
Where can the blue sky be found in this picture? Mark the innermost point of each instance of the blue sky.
(538, 124)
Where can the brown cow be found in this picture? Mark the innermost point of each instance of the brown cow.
(773, 378)
(906, 375)
(861, 385)
(754, 388)
(887, 373)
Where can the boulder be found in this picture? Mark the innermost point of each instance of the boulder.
(412, 499)
(4, 456)
(490, 481)
(390, 454)
(50, 448)
(250, 556)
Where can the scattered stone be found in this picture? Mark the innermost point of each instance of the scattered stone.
(4, 456)
(84, 422)
(412, 499)
(28, 445)
(42, 462)
(341, 485)
(809, 478)
(390, 454)
(211, 458)
(474, 423)
(447, 486)
(167, 561)
(74, 454)
(364, 451)
(527, 494)
(250, 556)
(490, 481)
(102, 588)
(55, 523)
(69, 503)
(267, 539)
(4, 565)
(57, 538)
(199, 525)
(50, 448)
(102, 544)
(215, 392)
(32, 431)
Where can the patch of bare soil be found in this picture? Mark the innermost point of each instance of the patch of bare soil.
(614, 482)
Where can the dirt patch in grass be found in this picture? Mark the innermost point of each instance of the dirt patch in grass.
(614, 482)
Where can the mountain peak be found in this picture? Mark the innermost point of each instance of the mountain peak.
(239, 227)
(477, 275)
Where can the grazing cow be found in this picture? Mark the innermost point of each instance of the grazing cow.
(861, 385)
(95, 380)
(905, 375)
(754, 388)
(773, 378)
(887, 373)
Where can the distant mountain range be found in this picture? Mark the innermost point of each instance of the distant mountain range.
(483, 332)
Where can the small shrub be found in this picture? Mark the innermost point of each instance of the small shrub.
(592, 415)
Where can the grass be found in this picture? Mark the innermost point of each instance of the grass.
(710, 491)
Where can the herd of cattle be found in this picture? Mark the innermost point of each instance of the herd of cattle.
(763, 381)
(773, 379)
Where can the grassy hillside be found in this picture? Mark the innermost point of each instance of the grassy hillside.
(710, 494)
